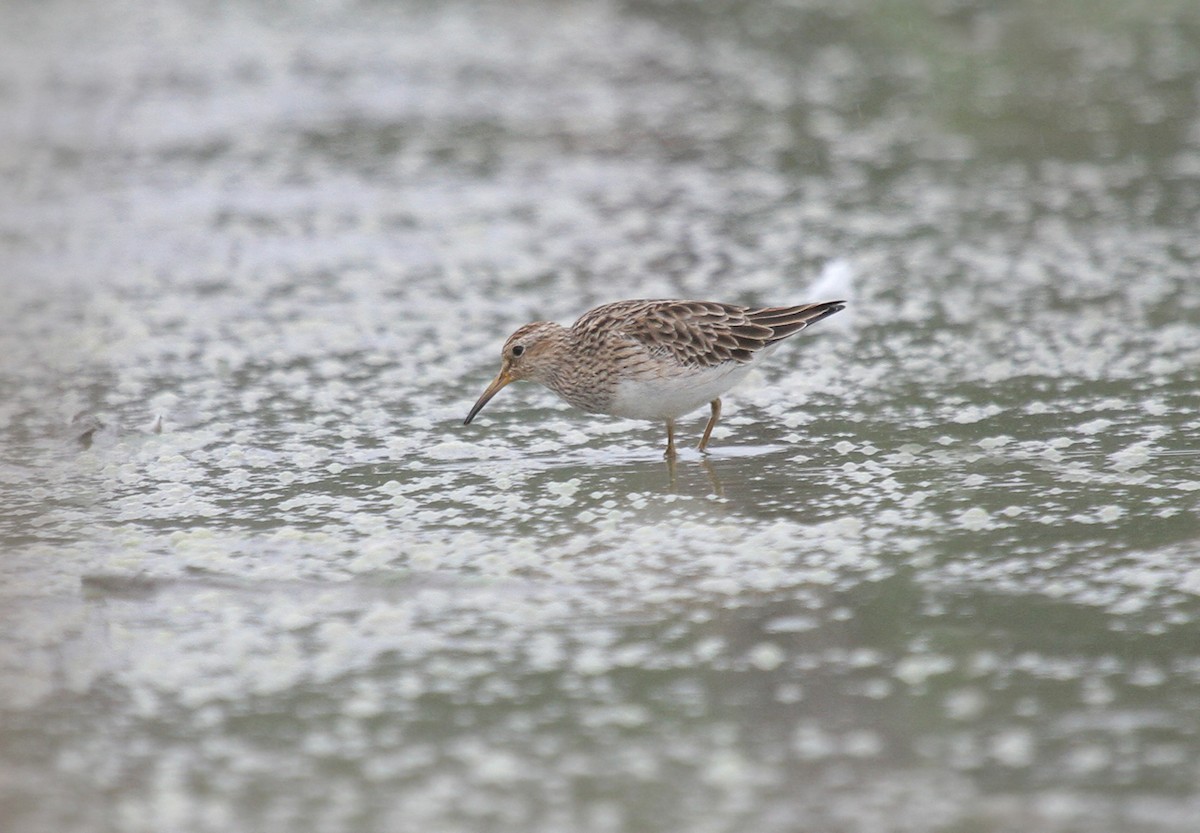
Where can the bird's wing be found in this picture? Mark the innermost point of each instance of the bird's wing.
(703, 333)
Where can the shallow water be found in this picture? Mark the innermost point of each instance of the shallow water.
(940, 572)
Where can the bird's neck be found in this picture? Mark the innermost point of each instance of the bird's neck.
(573, 374)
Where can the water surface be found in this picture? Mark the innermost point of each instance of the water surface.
(940, 571)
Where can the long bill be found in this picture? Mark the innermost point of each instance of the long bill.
(502, 379)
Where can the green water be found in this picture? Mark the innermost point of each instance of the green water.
(941, 571)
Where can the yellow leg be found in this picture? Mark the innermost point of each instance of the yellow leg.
(712, 423)
(670, 452)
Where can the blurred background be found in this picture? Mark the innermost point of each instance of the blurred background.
(941, 572)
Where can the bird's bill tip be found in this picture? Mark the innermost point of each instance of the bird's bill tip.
(502, 379)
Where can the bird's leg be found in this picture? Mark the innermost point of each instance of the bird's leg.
(712, 423)
(670, 452)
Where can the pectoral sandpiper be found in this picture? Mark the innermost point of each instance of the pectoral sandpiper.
(650, 359)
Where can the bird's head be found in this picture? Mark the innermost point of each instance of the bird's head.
(528, 353)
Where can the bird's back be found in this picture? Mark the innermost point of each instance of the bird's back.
(663, 358)
(698, 333)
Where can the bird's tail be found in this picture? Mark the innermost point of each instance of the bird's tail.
(786, 321)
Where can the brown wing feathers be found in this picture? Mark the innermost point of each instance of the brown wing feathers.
(707, 333)
(786, 321)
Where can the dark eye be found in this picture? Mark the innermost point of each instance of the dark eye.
(518, 350)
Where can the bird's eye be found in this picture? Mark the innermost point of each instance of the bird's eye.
(518, 350)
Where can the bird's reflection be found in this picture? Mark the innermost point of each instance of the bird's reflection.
(710, 470)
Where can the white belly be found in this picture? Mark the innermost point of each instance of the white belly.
(674, 396)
